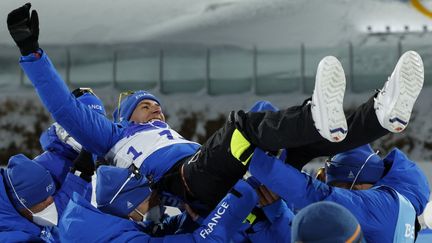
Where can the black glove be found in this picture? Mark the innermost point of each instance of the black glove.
(24, 29)
(84, 164)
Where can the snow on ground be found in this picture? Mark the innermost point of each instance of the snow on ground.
(269, 23)
(179, 106)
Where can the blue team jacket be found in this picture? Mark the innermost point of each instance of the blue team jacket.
(57, 157)
(277, 225)
(376, 209)
(15, 228)
(81, 222)
(95, 132)
(275, 228)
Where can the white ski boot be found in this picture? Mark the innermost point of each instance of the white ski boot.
(327, 100)
(394, 103)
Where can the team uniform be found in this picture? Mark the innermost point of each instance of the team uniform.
(16, 228)
(386, 212)
(275, 227)
(81, 220)
(60, 149)
(204, 174)
(197, 174)
(58, 154)
(171, 225)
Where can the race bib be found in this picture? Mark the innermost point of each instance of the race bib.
(135, 148)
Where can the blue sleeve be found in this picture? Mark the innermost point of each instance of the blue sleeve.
(296, 188)
(224, 221)
(94, 131)
(18, 236)
(50, 234)
(375, 209)
(82, 222)
(227, 218)
(278, 226)
(276, 210)
(178, 224)
(57, 165)
(170, 225)
(71, 184)
(281, 226)
(278, 231)
(240, 237)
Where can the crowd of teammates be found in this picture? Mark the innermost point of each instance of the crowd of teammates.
(244, 184)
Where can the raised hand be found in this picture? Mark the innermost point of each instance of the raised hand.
(24, 29)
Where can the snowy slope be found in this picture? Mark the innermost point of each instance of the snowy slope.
(267, 23)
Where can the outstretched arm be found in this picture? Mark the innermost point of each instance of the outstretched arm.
(299, 190)
(95, 132)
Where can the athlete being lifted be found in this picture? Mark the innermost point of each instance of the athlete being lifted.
(203, 174)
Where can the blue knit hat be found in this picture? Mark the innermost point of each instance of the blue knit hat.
(128, 105)
(29, 181)
(361, 162)
(325, 222)
(92, 102)
(119, 191)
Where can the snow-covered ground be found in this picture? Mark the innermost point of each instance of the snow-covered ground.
(267, 23)
(180, 106)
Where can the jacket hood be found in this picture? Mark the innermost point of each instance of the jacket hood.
(406, 178)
